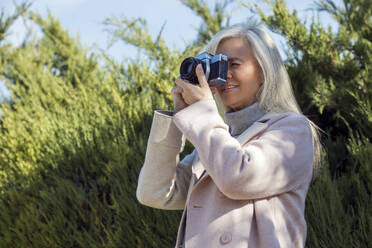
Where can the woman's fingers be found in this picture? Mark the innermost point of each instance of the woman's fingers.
(192, 93)
(181, 83)
(176, 90)
(201, 76)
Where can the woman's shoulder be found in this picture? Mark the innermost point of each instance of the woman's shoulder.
(283, 119)
(274, 117)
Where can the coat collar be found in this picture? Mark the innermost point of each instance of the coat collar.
(256, 128)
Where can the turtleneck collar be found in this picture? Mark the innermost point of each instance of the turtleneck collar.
(240, 120)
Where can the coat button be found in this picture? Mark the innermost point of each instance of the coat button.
(226, 238)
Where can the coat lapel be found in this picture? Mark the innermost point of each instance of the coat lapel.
(197, 167)
(253, 130)
(256, 128)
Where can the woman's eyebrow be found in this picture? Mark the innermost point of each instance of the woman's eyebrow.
(234, 58)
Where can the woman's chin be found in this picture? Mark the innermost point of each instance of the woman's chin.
(232, 106)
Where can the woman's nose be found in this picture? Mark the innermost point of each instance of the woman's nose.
(229, 73)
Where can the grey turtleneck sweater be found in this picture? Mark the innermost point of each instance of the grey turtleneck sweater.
(240, 120)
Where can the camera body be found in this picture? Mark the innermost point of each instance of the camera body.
(214, 66)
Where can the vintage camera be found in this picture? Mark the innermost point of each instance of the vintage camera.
(215, 68)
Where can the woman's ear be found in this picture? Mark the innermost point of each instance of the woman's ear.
(259, 70)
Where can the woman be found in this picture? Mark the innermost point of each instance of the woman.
(246, 182)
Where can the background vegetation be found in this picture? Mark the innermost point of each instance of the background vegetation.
(74, 133)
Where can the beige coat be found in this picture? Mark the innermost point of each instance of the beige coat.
(239, 192)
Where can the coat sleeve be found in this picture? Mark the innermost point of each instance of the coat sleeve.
(278, 161)
(164, 181)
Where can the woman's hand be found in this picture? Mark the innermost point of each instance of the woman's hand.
(178, 101)
(193, 93)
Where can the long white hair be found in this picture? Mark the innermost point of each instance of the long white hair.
(276, 94)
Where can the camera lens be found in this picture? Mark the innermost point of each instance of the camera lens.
(187, 70)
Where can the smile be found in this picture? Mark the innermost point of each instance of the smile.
(230, 87)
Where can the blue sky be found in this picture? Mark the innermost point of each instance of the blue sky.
(85, 17)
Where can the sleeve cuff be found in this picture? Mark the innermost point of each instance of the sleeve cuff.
(164, 112)
(164, 131)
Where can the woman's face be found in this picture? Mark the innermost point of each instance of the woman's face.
(244, 75)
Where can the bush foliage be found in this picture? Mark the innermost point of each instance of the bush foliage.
(74, 133)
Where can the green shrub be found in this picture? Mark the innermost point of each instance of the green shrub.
(73, 136)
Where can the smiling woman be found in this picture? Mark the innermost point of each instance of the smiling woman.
(246, 182)
(244, 76)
